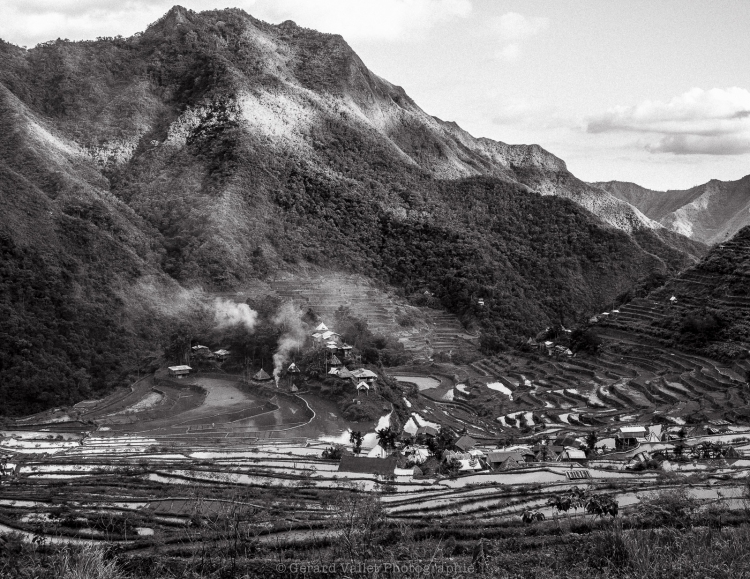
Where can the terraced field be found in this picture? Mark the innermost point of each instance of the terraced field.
(630, 381)
(424, 331)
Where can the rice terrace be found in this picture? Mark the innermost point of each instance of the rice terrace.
(263, 316)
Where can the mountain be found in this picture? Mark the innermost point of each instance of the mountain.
(710, 312)
(141, 174)
(709, 213)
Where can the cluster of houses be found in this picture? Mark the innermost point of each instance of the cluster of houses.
(336, 354)
(468, 456)
(200, 353)
(465, 456)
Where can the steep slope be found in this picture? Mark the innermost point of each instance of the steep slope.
(711, 311)
(709, 213)
(214, 149)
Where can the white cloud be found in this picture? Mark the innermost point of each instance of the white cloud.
(710, 122)
(512, 29)
(33, 21)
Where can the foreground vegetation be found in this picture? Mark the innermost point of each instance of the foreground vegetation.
(667, 536)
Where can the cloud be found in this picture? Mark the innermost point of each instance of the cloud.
(705, 122)
(512, 29)
(33, 21)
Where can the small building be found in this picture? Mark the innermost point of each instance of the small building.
(321, 328)
(346, 351)
(221, 355)
(363, 387)
(364, 374)
(465, 443)
(480, 302)
(673, 300)
(572, 455)
(547, 452)
(470, 464)
(629, 436)
(410, 471)
(261, 376)
(377, 451)
(293, 368)
(427, 431)
(418, 454)
(334, 371)
(334, 361)
(294, 388)
(504, 460)
(179, 371)
(450, 455)
(344, 373)
(202, 352)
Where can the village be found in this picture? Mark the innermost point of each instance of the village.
(425, 451)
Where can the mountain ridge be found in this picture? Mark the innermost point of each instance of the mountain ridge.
(214, 149)
(710, 213)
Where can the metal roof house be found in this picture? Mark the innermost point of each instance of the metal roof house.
(179, 371)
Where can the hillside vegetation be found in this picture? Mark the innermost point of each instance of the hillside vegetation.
(214, 149)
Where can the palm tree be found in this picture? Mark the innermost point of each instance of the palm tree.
(356, 439)
(386, 437)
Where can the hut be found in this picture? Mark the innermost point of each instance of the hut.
(427, 431)
(202, 352)
(572, 455)
(366, 375)
(261, 376)
(221, 355)
(363, 386)
(504, 460)
(334, 361)
(629, 436)
(293, 368)
(321, 328)
(179, 371)
(466, 443)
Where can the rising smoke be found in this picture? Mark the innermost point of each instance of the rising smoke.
(289, 319)
(227, 314)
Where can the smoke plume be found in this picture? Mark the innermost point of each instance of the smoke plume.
(289, 319)
(227, 313)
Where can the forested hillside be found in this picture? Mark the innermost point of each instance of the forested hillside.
(214, 149)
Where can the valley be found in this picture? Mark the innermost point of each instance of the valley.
(261, 313)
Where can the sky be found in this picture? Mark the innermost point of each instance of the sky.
(657, 93)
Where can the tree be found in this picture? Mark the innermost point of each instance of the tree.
(356, 438)
(332, 453)
(387, 437)
(591, 440)
(437, 445)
